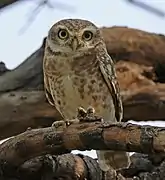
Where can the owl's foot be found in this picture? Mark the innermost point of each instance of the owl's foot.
(81, 112)
(62, 124)
(90, 111)
(87, 115)
(59, 125)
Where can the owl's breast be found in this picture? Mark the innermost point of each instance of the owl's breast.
(79, 82)
(82, 88)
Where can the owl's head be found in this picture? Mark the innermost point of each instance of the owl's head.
(73, 36)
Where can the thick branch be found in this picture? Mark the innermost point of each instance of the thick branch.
(63, 167)
(74, 167)
(71, 166)
(67, 167)
(83, 136)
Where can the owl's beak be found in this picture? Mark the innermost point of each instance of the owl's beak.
(74, 44)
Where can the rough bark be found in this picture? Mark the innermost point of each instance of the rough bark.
(27, 156)
(57, 167)
(79, 167)
(139, 56)
(83, 136)
(63, 167)
(142, 167)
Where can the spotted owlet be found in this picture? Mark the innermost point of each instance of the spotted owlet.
(78, 72)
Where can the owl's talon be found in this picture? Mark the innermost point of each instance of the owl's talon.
(87, 116)
(59, 125)
(29, 129)
(90, 111)
(81, 112)
(62, 124)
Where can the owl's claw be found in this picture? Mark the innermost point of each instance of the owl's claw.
(62, 124)
(59, 125)
(90, 111)
(87, 116)
(81, 112)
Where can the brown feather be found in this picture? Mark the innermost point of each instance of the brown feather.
(108, 72)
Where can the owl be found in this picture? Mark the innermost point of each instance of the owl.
(78, 72)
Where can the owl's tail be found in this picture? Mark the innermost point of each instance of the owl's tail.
(114, 159)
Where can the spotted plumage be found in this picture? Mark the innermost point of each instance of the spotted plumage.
(79, 72)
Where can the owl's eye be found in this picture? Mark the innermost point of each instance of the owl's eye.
(87, 35)
(62, 34)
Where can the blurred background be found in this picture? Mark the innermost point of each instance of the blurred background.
(25, 23)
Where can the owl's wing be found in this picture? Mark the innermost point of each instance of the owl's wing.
(50, 95)
(109, 75)
(47, 91)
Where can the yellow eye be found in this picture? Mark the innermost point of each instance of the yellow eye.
(62, 34)
(87, 35)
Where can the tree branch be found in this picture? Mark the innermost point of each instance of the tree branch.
(63, 167)
(30, 151)
(67, 166)
(83, 136)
